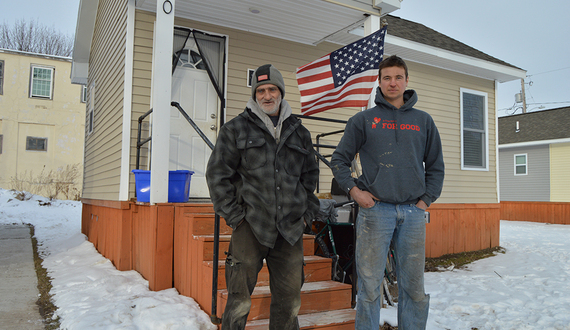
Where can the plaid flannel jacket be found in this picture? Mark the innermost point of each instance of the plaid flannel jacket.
(271, 184)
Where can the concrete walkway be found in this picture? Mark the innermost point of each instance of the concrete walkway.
(18, 280)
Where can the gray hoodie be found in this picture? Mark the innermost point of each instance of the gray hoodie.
(400, 153)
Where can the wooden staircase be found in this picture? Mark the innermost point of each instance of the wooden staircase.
(325, 304)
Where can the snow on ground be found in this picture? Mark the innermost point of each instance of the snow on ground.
(528, 287)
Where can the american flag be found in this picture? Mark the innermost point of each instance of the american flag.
(343, 78)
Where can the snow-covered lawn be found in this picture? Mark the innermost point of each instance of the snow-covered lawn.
(528, 287)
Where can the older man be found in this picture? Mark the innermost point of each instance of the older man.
(262, 174)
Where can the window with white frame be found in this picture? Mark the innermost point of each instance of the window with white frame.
(91, 110)
(83, 93)
(474, 130)
(521, 165)
(41, 82)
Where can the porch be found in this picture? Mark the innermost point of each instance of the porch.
(172, 245)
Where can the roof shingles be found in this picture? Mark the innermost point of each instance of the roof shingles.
(420, 33)
(535, 126)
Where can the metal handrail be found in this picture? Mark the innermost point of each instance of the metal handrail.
(193, 124)
(139, 142)
(318, 145)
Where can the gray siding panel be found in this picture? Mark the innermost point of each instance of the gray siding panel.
(535, 186)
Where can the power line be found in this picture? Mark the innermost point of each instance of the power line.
(536, 74)
(549, 102)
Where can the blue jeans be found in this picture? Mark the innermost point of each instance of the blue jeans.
(375, 228)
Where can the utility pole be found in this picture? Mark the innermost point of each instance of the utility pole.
(523, 96)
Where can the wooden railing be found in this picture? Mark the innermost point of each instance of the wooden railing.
(545, 212)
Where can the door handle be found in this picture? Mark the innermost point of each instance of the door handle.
(213, 127)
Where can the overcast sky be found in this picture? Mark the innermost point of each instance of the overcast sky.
(531, 35)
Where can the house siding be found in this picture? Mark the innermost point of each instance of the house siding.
(106, 74)
(439, 95)
(560, 172)
(438, 90)
(535, 186)
(142, 78)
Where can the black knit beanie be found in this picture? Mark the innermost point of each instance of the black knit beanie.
(267, 74)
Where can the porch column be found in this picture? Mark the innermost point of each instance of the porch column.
(371, 25)
(161, 97)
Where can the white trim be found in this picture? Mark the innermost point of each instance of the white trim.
(127, 103)
(533, 143)
(485, 124)
(525, 164)
(371, 25)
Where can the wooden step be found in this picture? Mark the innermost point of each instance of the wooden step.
(325, 304)
(208, 246)
(315, 297)
(338, 320)
(316, 269)
(203, 224)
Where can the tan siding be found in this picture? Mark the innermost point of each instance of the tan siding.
(560, 172)
(142, 75)
(438, 93)
(106, 72)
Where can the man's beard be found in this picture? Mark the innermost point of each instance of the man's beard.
(273, 110)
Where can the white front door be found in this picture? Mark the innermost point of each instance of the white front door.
(191, 87)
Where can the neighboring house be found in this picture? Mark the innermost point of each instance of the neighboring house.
(534, 163)
(42, 116)
(125, 50)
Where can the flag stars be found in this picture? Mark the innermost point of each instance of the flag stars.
(348, 66)
(355, 59)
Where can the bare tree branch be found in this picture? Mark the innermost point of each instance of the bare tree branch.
(34, 37)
